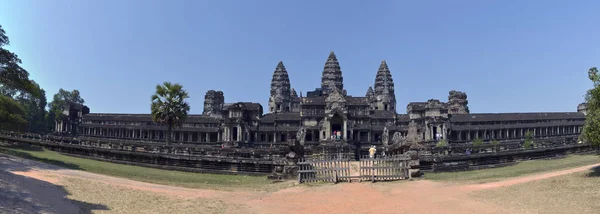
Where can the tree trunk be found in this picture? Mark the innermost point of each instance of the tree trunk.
(168, 137)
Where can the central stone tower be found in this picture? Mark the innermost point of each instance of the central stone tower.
(332, 75)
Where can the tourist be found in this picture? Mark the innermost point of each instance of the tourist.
(372, 151)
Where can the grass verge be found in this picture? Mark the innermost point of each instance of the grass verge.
(523, 168)
(574, 193)
(150, 175)
(126, 200)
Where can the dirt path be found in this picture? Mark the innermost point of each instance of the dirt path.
(420, 196)
(524, 179)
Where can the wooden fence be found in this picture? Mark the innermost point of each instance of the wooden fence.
(327, 170)
(384, 168)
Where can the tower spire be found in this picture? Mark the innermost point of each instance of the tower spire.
(332, 74)
(384, 88)
(384, 83)
(280, 89)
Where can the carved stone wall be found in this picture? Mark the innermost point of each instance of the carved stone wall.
(384, 89)
(458, 103)
(213, 103)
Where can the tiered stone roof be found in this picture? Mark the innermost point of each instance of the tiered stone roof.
(280, 83)
(332, 74)
(384, 84)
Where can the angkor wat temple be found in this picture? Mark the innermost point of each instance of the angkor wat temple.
(360, 119)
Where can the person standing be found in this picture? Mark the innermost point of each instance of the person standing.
(372, 151)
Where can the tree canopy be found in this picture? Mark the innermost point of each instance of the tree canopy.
(169, 106)
(22, 101)
(61, 99)
(591, 128)
(13, 78)
(12, 114)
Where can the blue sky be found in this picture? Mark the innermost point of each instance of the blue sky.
(508, 56)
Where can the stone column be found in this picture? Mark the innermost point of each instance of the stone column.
(345, 132)
(239, 133)
(226, 134)
(274, 137)
(444, 134)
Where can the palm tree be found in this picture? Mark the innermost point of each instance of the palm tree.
(169, 107)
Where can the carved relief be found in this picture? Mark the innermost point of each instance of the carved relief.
(398, 139)
(335, 100)
(300, 135)
(385, 138)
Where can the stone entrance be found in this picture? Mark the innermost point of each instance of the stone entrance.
(337, 124)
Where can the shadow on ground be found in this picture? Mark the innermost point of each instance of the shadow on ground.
(595, 172)
(5, 149)
(20, 194)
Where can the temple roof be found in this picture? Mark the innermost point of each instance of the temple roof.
(403, 118)
(193, 118)
(483, 117)
(313, 100)
(355, 101)
(383, 114)
(282, 116)
(247, 105)
(514, 126)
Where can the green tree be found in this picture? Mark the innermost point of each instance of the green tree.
(35, 109)
(495, 145)
(16, 89)
(13, 78)
(12, 114)
(169, 106)
(59, 102)
(591, 128)
(441, 143)
(528, 140)
(477, 142)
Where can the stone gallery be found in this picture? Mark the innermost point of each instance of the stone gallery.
(329, 114)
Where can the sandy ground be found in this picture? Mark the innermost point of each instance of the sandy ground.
(27, 185)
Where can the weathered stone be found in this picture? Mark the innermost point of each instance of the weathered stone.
(457, 102)
(332, 74)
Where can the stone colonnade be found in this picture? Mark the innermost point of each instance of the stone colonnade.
(143, 134)
(516, 133)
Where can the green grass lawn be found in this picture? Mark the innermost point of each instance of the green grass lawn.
(151, 175)
(523, 168)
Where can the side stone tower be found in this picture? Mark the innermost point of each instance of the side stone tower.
(294, 101)
(332, 75)
(385, 97)
(213, 103)
(371, 98)
(582, 108)
(458, 103)
(281, 94)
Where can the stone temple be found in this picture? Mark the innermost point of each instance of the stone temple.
(359, 119)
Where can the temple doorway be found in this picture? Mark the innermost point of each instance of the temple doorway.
(337, 124)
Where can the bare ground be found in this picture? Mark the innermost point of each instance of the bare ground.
(421, 196)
